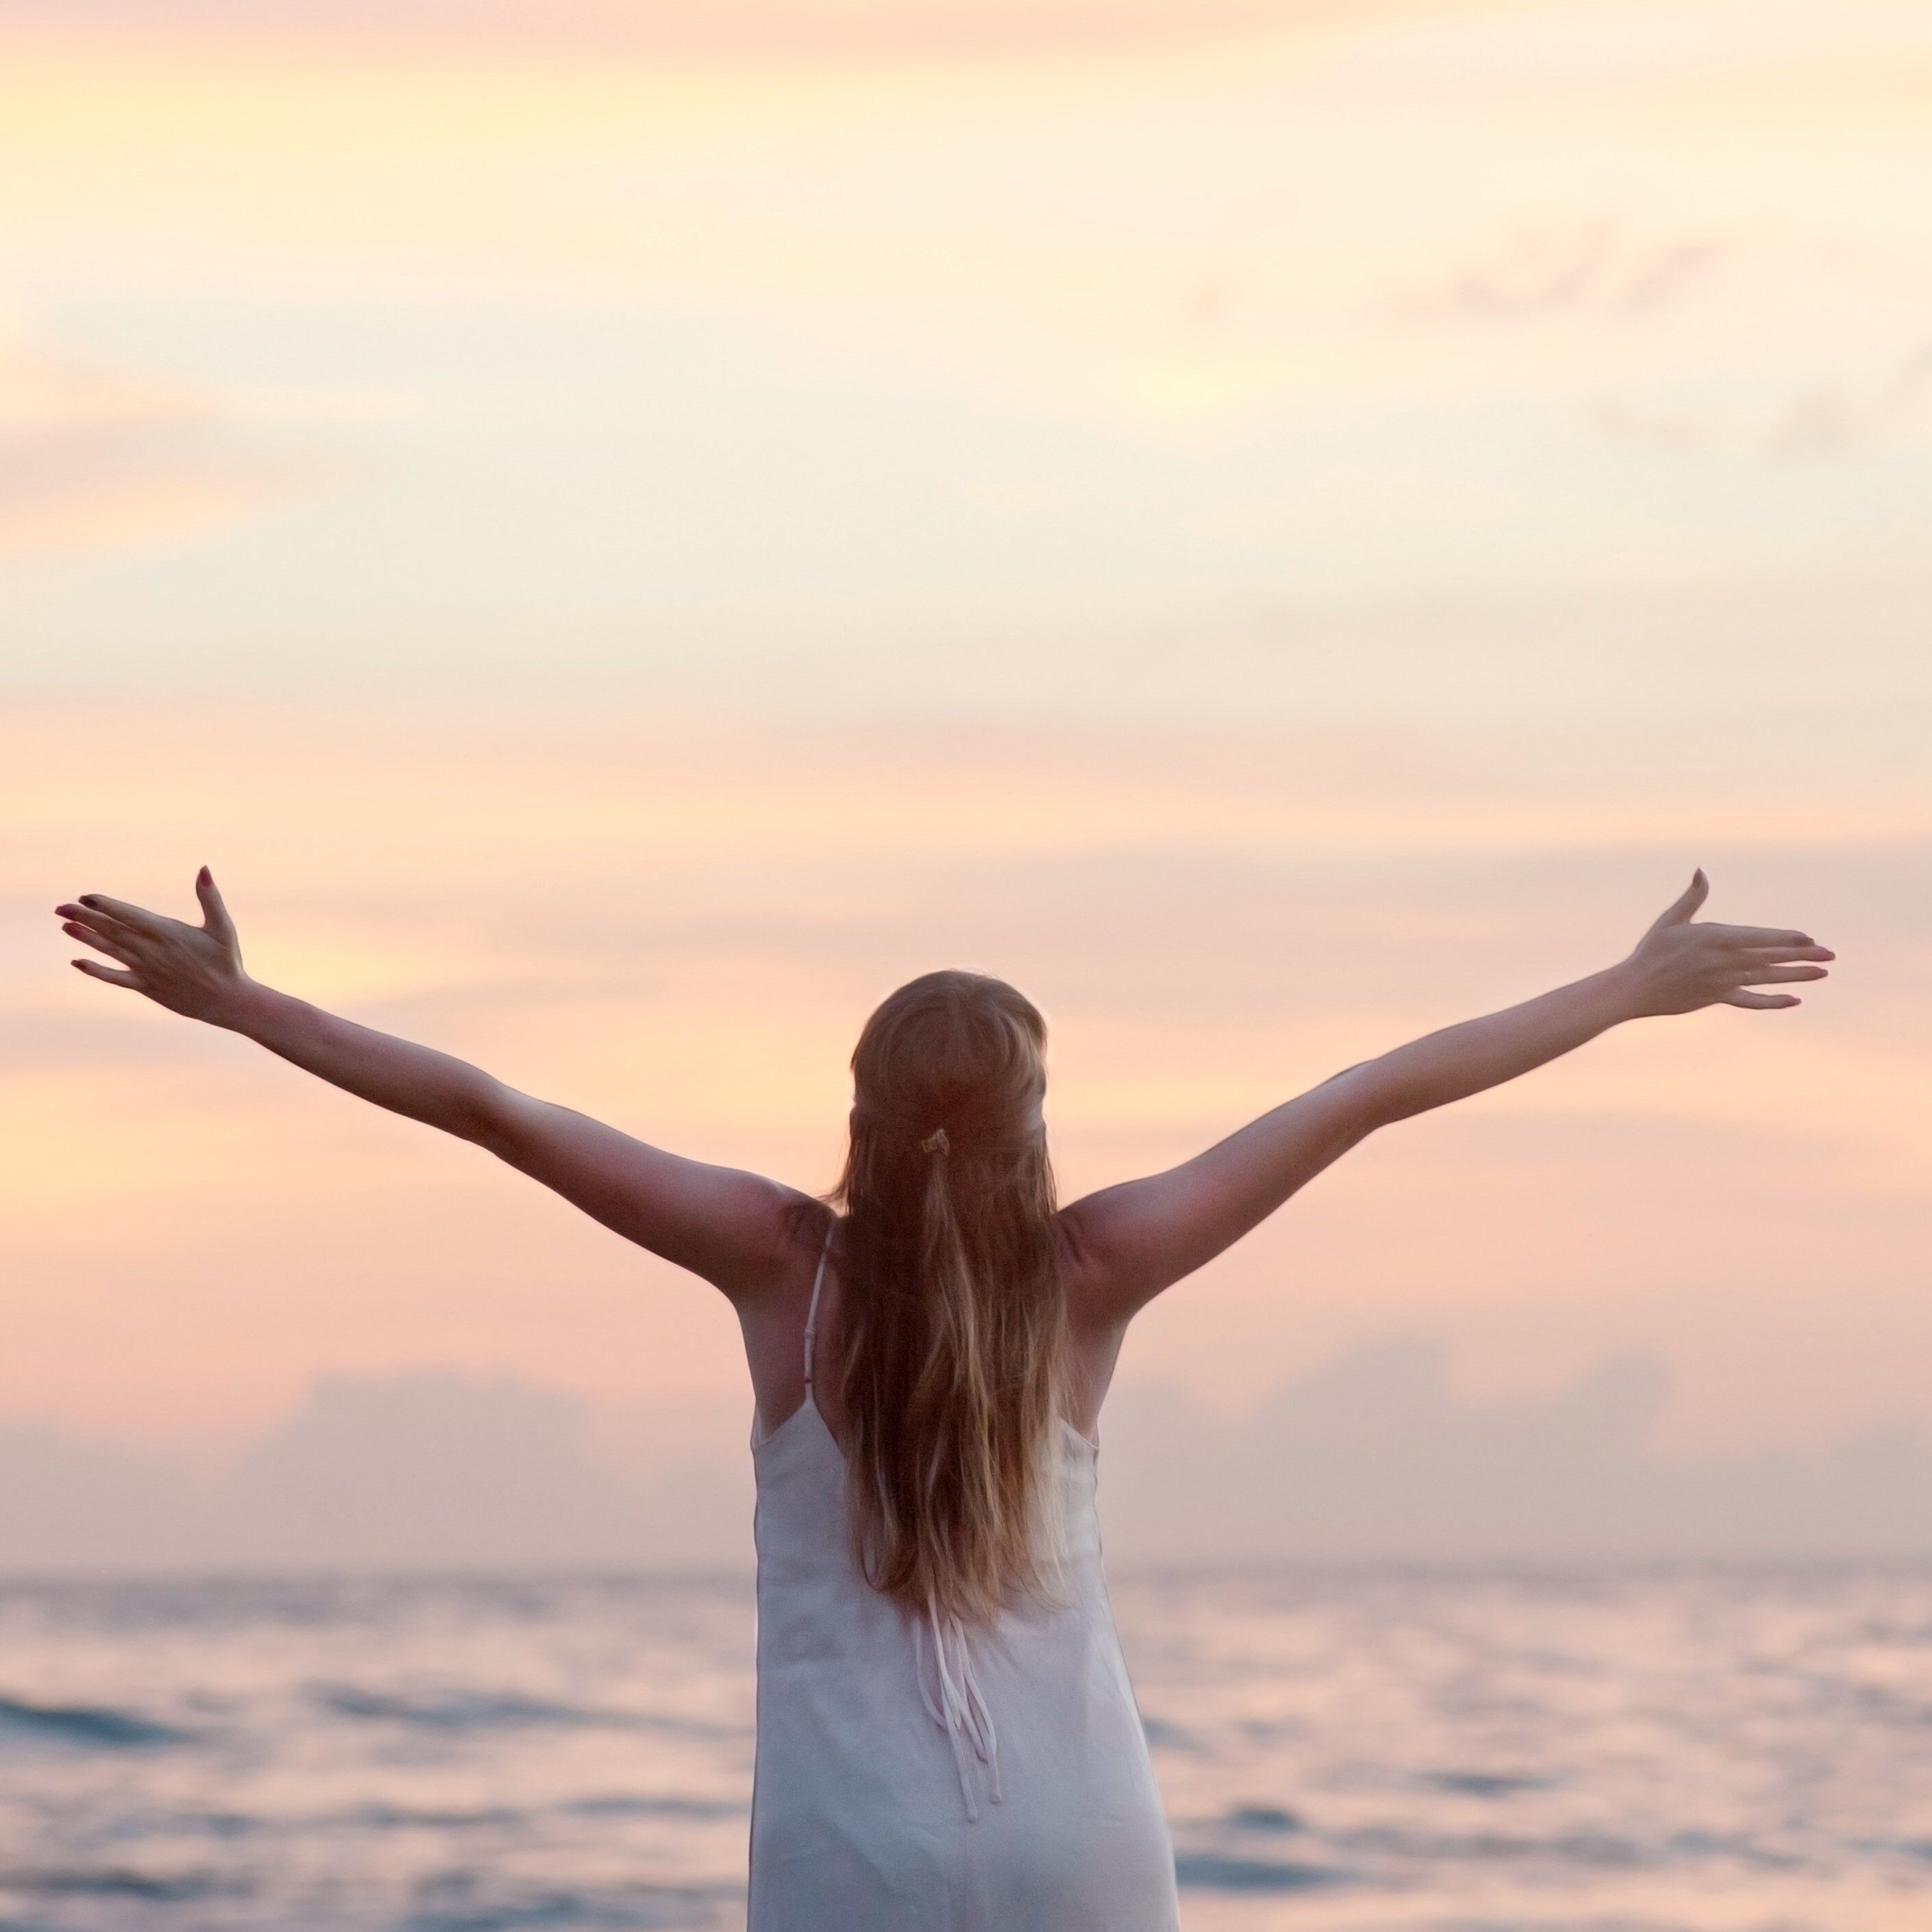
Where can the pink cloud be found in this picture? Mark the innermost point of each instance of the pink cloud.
(95, 457)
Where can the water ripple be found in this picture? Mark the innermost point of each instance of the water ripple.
(100, 1725)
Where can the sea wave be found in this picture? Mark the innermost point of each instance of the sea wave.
(1678, 1751)
(469, 1710)
(1208, 1871)
(626, 1908)
(101, 1726)
(116, 1881)
(1263, 1818)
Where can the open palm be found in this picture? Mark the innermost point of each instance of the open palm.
(192, 970)
(1681, 965)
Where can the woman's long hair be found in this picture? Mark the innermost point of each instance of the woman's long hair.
(953, 1319)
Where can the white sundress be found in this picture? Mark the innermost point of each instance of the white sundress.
(918, 1775)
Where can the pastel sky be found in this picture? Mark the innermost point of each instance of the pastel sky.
(1273, 525)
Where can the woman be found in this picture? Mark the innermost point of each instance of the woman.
(946, 1736)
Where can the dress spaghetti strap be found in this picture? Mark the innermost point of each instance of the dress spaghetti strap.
(811, 1314)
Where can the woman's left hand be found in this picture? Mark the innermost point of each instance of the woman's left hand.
(192, 970)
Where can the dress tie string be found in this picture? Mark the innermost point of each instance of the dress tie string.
(957, 1708)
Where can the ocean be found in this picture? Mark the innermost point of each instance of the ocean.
(1680, 1749)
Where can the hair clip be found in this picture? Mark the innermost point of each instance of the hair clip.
(936, 1142)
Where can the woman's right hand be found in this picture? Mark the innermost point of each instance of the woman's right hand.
(1682, 964)
(192, 970)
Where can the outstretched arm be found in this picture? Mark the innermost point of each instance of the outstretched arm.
(1126, 1244)
(728, 1226)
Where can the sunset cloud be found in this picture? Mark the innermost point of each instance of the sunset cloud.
(1172, 243)
(623, 531)
(95, 457)
(877, 29)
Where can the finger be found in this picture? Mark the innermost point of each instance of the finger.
(98, 922)
(114, 947)
(214, 914)
(1761, 952)
(1774, 976)
(1761, 1002)
(1759, 935)
(141, 919)
(1686, 903)
(113, 975)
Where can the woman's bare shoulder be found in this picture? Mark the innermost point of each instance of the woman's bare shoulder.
(1084, 1273)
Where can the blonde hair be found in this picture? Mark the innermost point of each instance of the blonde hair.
(953, 1319)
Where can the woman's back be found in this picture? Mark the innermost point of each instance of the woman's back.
(920, 1774)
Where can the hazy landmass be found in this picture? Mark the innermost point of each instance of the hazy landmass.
(1373, 1455)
